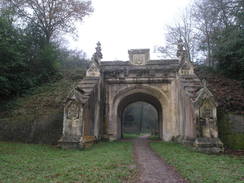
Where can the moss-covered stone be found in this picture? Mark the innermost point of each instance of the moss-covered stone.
(235, 141)
(230, 138)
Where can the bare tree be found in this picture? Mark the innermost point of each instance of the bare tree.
(205, 25)
(181, 30)
(51, 16)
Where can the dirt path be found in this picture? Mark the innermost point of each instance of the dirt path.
(152, 169)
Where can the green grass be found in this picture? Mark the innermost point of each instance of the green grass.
(104, 162)
(134, 135)
(154, 137)
(130, 135)
(201, 168)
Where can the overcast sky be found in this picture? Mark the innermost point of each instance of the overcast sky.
(126, 24)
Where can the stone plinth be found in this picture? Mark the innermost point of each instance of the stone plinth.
(208, 145)
(70, 143)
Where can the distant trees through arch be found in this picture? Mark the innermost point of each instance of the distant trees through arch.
(140, 118)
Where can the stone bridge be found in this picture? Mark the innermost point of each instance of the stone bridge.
(186, 108)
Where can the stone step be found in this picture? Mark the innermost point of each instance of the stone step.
(84, 101)
(89, 81)
(190, 81)
(85, 97)
(88, 94)
(192, 86)
(86, 85)
(87, 90)
(189, 76)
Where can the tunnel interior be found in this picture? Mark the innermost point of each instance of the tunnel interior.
(140, 114)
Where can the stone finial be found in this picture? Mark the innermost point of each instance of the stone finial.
(182, 52)
(97, 56)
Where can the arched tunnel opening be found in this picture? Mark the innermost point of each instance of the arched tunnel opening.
(140, 114)
(140, 118)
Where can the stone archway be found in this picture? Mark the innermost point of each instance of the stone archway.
(169, 85)
(144, 93)
(140, 117)
(139, 97)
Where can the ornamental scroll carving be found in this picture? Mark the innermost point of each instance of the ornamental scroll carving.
(73, 118)
(207, 122)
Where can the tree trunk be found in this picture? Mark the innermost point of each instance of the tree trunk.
(141, 118)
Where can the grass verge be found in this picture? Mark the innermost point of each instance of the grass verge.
(201, 168)
(104, 162)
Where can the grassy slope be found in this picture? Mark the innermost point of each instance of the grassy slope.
(41, 99)
(201, 168)
(228, 92)
(104, 162)
(27, 118)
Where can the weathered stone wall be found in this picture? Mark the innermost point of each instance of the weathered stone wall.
(236, 123)
(92, 113)
(231, 129)
(186, 115)
(45, 129)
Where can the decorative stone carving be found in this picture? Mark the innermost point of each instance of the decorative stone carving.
(73, 111)
(73, 118)
(139, 59)
(97, 56)
(72, 124)
(115, 74)
(206, 113)
(186, 68)
(141, 73)
(206, 124)
(93, 70)
(94, 67)
(139, 56)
